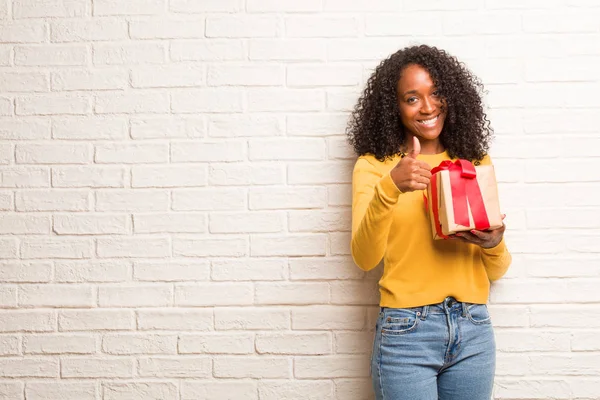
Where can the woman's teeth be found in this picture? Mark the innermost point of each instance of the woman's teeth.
(429, 122)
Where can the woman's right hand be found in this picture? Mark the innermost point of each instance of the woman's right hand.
(411, 174)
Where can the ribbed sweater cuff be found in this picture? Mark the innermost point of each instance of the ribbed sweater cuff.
(388, 189)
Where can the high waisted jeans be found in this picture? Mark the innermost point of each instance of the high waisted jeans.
(442, 351)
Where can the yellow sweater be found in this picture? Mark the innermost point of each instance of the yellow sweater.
(418, 270)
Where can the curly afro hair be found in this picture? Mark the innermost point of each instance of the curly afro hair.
(375, 126)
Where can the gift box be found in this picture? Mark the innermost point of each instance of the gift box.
(462, 197)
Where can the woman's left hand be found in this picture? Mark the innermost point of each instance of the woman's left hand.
(485, 239)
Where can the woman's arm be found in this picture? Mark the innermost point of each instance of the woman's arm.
(374, 196)
(496, 260)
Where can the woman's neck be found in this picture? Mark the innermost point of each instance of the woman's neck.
(428, 147)
(432, 149)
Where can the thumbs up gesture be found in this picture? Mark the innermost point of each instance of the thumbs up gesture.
(411, 174)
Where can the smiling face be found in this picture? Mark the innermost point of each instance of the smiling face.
(421, 108)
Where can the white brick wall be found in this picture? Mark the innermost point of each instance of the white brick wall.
(175, 193)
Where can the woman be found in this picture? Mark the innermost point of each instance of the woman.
(434, 338)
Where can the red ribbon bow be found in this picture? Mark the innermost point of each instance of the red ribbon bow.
(465, 189)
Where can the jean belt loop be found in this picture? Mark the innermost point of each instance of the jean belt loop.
(464, 308)
(424, 312)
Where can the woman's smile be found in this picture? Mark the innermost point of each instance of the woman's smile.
(429, 123)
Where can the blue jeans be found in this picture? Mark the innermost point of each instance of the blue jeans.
(441, 351)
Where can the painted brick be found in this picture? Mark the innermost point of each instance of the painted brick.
(286, 149)
(91, 177)
(24, 224)
(258, 269)
(167, 29)
(233, 174)
(207, 50)
(203, 152)
(253, 222)
(206, 6)
(318, 268)
(122, 344)
(167, 76)
(246, 367)
(285, 100)
(188, 367)
(132, 200)
(32, 128)
(136, 103)
(29, 368)
(331, 367)
(168, 176)
(138, 295)
(213, 294)
(53, 154)
(90, 224)
(241, 26)
(287, 198)
(171, 270)
(89, 80)
(287, 49)
(223, 100)
(12, 390)
(175, 320)
(96, 368)
(58, 9)
(56, 248)
(56, 295)
(294, 343)
(59, 344)
(60, 104)
(208, 199)
(173, 222)
(24, 82)
(92, 30)
(291, 293)
(63, 200)
(134, 7)
(261, 318)
(217, 343)
(289, 389)
(245, 125)
(245, 75)
(92, 271)
(9, 345)
(140, 390)
(311, 26)
(268, 6)
(23, 32)
(159, 128)
(219, 389)
(234, 247)
(89, 128)
(28, 320)
(294, 245)
(96, 320)
(328, 317)
(128, 53)
(63, 390)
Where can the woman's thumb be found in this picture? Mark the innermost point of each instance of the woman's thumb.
(416, 149)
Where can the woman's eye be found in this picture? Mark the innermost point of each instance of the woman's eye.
(411, 100)
(436, 93)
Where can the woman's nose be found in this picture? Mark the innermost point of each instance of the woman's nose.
(428, 106)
